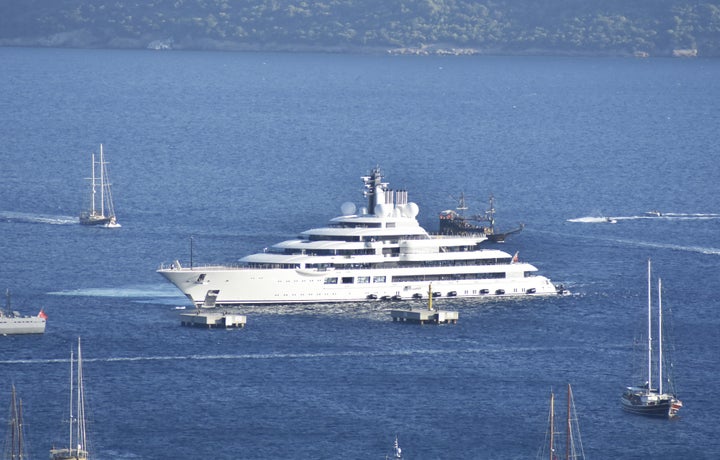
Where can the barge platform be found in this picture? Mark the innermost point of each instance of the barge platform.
(425, 315)
(213, 320)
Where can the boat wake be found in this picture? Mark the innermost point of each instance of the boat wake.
(644, 244)
(149, 291)
(29, 218)
(673, 247)
(592, 220)
(665, 216)
(294, 356)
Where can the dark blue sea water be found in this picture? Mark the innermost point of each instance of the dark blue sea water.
(240, 151)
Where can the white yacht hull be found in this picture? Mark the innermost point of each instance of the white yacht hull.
(374, 252)
(237, 286)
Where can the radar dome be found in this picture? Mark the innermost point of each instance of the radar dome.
(411, 210)
(347, 208)
(382, 210)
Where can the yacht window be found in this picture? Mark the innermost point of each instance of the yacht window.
(378, 279)
(348, 280)
(330, 280)
(363, 279)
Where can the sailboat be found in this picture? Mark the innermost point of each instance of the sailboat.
(645, 399)
(573, 441)
(15, 441)
(397, 451)
(77, 443)
(101, 212)
(12, 322)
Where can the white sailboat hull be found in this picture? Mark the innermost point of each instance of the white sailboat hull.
(21, 325)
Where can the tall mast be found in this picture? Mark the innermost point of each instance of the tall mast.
(80, 404)
(660, 350)
(21, 441)
(13, 423)
(92, 179)
(71, 400)
(374, 189)
(568, 437)
(649, 331)
(102, 182)
(552, 426)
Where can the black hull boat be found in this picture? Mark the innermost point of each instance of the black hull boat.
(455, 223)
(95, 219)
(646, 400)
(649, 402)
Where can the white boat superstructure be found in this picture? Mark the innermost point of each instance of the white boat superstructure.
(375, 252)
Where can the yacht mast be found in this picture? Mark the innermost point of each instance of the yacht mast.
(649, 332)
(81, 434)
(92, 179)
(71, 399)
(660, 350)
(568, 427)
(552, 426)
(102, 182)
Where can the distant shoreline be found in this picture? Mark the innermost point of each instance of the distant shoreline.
(227, 46)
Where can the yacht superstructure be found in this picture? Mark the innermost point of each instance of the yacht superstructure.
(377, 252)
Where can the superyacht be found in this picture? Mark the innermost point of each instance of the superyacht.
(378, 252)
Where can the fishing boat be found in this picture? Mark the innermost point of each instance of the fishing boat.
(644, 399)
(454, 222)
(101, 211)
(573, 440)
(366, 254)
(12, 322)
(77, 442)
(15, 440)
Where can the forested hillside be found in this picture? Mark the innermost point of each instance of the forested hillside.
(586, 27)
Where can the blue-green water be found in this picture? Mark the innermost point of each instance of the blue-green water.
(243, 150)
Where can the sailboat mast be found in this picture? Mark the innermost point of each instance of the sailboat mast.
(568, 426)
(21, 441)
(102, 182)
(71, 399)
(13, 423)
(552, 426)
(660, 350)
(649, 331)
(80, 403)
(92, 185)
